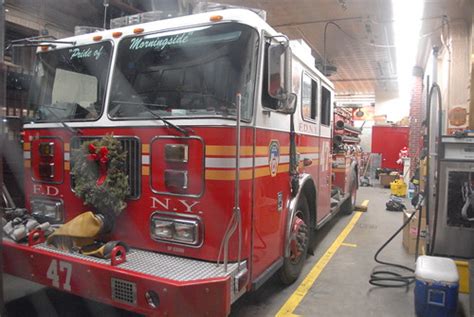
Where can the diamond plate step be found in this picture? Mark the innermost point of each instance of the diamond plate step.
(158, 265)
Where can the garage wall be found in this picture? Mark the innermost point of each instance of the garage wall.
(459, 77)
(453, 76)
(387, 103)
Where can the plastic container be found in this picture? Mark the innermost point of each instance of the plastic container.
(436, 288)
(398, 188)
(411, 191)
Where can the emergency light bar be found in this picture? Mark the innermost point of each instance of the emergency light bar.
(82, 29)
(157, 15)
(212, 6)
(140, 18)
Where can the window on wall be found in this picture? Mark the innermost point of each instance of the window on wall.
(309, 98)
(325, 106)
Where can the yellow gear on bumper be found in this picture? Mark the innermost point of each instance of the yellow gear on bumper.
(80, 231)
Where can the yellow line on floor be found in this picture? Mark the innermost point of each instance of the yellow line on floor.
(352, 245)
(298, 295)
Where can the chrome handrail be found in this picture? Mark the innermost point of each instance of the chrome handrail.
(236, 219)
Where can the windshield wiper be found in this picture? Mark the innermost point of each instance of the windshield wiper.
(61, 120)
(154, 105)
(47, 40)
(157, 116)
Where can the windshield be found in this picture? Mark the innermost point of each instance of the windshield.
(69, 84)
(189, 73)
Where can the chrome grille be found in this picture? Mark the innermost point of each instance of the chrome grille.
(124, 291)
(132, 165)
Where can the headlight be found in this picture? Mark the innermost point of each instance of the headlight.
(181, 231)
(185, 232)
(47, 210)
(163, 229)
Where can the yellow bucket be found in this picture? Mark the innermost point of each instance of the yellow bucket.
(398, 188)
(463, 270)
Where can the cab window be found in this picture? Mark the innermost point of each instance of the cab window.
(309, 97)
(325, 106)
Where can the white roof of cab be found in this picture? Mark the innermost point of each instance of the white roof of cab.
(243, 16)
(236, 15)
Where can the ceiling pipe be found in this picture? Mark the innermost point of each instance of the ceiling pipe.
(364, 79)
(315, 22)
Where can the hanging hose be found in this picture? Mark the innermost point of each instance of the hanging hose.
(387, 278)
(438, 164)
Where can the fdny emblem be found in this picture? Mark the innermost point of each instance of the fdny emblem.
(274, 157)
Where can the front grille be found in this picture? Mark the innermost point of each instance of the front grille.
(132, 164)
(124, 291)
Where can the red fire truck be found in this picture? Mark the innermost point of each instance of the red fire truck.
(227, 126)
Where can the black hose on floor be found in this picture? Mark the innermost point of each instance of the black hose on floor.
(387, 278)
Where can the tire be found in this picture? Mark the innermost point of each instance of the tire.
(348, 205)
(299, 242)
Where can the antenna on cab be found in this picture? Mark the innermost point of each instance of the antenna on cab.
(106, 5)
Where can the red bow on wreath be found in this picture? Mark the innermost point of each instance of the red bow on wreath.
(102, 159)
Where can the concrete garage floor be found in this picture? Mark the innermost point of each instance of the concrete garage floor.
(336, 282)
(342, 287)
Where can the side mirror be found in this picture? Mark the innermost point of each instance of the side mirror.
(287, 105)
(279, 76)
(276, 71)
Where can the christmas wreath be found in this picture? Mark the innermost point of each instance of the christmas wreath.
(99, 175)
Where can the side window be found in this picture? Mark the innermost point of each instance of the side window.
(267, 101)
(325, 106)
(309, 98)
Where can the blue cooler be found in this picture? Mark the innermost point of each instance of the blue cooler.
(437, 285)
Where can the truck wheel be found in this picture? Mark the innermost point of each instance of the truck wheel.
(348, 205)
(299, 241)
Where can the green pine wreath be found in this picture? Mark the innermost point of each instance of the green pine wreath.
(99, 175)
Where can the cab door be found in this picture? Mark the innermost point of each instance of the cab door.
(308, 145)
(271, 176)
(325, 144)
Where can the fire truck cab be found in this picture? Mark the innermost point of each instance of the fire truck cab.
(227, 126)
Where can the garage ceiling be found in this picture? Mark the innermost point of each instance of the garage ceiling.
(437, 13)
(359, 33)
(360, 45)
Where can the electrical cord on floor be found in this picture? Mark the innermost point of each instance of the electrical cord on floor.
(387, 278)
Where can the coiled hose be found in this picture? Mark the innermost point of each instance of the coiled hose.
(387, 278)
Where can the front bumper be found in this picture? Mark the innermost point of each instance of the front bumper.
(185, 287)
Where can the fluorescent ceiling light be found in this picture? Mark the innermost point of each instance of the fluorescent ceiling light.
(407, 25)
